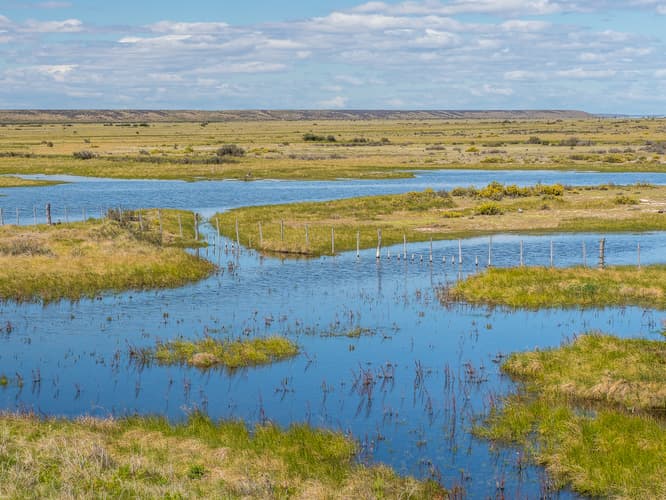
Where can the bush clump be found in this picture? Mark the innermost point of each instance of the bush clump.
(84, 155)
(488, 208)
(230, 150)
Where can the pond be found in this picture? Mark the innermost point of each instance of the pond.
(409, 388)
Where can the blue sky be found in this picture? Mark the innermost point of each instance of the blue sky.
(602, 56)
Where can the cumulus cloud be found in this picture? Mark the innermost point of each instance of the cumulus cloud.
(337, 102)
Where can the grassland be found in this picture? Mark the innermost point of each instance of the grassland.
(330, 149)
(571, 416)
(149, 458)
(419, 216)
(8, 181)
(538, 287)
(213, 353)
(84, 259)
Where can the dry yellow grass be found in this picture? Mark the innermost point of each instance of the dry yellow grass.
(88, 258)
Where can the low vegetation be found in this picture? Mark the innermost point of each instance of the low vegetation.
(537, 287)
(8, 181)
(84, 259)
(150, 458)
(211, 353)
(571, 416)
(299, 146)
(309, 228)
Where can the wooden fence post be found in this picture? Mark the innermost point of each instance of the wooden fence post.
(460, 252)
(379, 243)
(404, 246)
(602, 253)
(237, 236)
(2, 218)
(196, 227)
(48, 214)
(358, 244)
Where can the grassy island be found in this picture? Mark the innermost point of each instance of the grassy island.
(83, 259)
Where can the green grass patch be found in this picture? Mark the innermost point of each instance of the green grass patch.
(536, 287)
(151, 458)
(83, 259)
(569, 415)
(211, 353)
(8, 181)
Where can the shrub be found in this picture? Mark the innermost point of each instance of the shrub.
(84, 155)
(488, 208)
(534, 140)
(230, 150)
(626, 200)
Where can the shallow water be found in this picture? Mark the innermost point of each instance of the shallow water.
(409, 391)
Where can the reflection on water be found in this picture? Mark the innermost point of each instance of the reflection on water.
(409, 389)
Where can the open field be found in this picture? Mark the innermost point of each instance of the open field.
(213, 353)
(570, 417)
(149, 458)
(442, 215)
(539, 287)
(328, 148)
(85, 259)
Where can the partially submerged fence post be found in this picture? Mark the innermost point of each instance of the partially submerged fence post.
(431, 251)
(490, 251)
(476, 261)
(48, 214)
(18, 222)
(404, 246)
(358, 244)
(2, 218)
(196, 227)
(639, 256)
(333, 241)
(237, 236)
(460, 252)
(379, 243)
(602, 253)
(84, 214)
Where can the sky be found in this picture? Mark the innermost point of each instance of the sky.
(601, 56)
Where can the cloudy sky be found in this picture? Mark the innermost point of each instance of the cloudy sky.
(602, 56)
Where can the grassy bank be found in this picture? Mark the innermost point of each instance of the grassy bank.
(84, 259)
(8, 181)
(569, 415)
(535, 287)
(149, 458)
(330, 149)
(211, 353)
(444, 215)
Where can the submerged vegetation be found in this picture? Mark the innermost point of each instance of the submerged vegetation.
(534, 287)
(324, 149)
(211, 353)
(316, 228)
(84, 259)
(150, 458)
(570, 415)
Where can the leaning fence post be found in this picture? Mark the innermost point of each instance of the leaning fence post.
(602, 253)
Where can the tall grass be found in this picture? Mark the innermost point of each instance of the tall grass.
(150, 458)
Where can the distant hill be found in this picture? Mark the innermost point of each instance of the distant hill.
(139, 116)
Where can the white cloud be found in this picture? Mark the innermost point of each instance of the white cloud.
(586, 74)
(58, 72)
(188, 28)
(488, 89)
(66, 26)
(337, 102)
